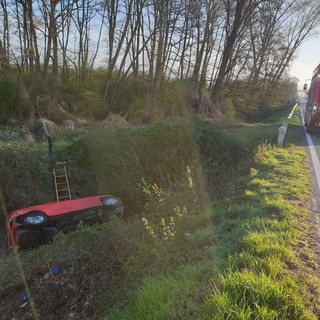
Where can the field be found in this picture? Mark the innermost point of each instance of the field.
(218, 224)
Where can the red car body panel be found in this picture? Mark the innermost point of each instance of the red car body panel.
(62, 207)
(312, 111)
(89, 208)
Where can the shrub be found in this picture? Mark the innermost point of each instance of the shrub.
(116, 161)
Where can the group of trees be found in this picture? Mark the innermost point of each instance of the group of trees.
(215, 44)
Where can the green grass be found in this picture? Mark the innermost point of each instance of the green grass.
(258, 283)
(255, 234)
(256, 295)
(254, 239)
(177, 296)
(295, 128)
(245, 256)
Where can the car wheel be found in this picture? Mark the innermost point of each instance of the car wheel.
(35, 219)
(112, 204)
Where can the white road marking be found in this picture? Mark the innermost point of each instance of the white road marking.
(291, 113)
(313, 153)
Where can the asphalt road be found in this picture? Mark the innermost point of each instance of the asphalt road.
(312, 146)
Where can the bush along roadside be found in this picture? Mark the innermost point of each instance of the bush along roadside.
(118, 160)
(264, 244)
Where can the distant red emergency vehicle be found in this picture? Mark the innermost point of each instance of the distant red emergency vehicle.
(312, 112)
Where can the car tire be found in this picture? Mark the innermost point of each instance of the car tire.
(112, 204)
(34, 220)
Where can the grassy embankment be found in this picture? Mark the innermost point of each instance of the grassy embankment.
(247, 255)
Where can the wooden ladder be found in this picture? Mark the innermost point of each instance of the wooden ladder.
(61, 181)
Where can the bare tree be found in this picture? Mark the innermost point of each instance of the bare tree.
(51, 39)
(116, 37)
(5, 40)
(303, 19)
(238, 14)
(216, 44)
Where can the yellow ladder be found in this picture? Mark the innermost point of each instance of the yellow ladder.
(61, 181)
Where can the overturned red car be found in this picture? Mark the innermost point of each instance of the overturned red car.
(29, 227)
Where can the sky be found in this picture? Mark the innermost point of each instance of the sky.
(308, 57)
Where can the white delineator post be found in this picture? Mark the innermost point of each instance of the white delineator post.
(281, 134)
(283, 129)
